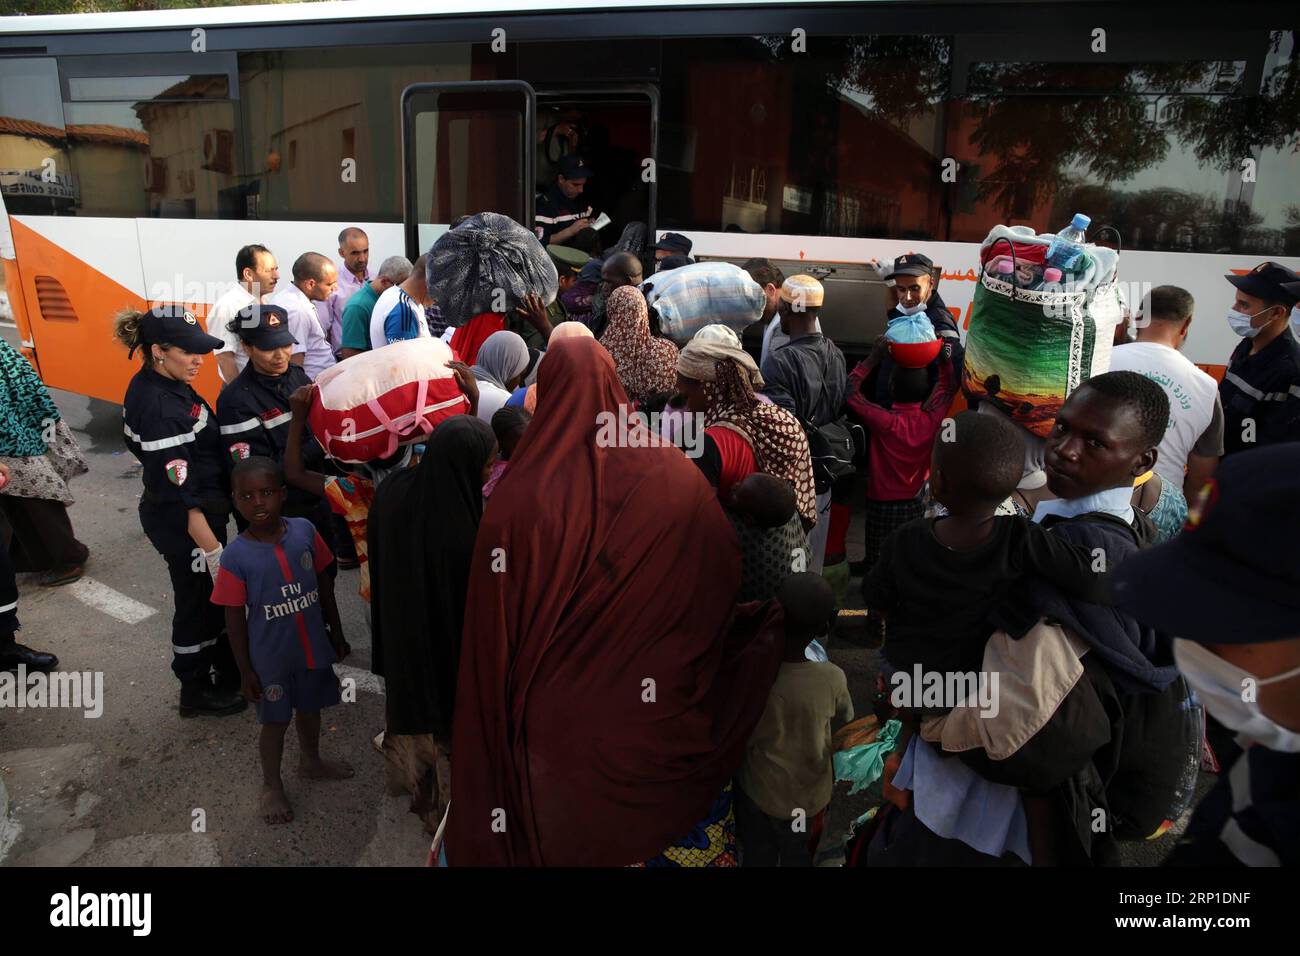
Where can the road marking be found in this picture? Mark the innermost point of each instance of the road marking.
(113, 603)
(365, 680)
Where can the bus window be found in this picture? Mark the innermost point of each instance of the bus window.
(1116, 141)
(35, 175)
(150, 139)
(467, 147)
(842, 140)
(306, 113)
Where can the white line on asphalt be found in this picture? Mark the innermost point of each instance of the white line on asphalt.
(113, 603)
(365, 680)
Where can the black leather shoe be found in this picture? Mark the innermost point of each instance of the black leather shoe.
(15, 654)
(204, 700)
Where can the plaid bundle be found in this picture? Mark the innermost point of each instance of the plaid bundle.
(704, 293)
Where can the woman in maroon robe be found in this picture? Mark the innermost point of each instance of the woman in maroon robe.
(607, 683)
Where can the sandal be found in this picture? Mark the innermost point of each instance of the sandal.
(61, 576)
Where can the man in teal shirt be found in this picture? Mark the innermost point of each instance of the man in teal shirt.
(356, 313)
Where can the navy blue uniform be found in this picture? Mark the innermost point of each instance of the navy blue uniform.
(1264, 387)
(253, 415)
(173, 432)
(555, 211)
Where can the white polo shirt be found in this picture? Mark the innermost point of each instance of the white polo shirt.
(222, 311)
(305, 327)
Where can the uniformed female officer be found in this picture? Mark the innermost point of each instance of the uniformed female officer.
(253, 410)
(184, 508)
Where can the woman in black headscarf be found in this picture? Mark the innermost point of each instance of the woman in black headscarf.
(421, 534)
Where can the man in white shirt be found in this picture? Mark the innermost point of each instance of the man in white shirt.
(258, 273)
(1194, 437)
(399, 311)
(354, 272)
(314, 278)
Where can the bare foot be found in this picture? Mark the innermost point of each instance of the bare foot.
(324, 769)
(275, 805)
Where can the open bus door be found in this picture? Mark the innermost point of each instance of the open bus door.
(466, 148)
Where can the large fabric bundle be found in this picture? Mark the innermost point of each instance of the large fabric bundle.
(366, 407)
(1027, 350)
(704, 293)
(488, 264)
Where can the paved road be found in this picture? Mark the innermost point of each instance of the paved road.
(133, 785)
(124, 788)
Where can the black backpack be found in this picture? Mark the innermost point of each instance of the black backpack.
(834, 447)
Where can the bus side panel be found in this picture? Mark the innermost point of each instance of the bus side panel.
(71, 318)
(13, 286)
(1209, 343)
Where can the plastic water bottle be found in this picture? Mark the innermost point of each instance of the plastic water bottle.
(1006, 271)
(1067, 247)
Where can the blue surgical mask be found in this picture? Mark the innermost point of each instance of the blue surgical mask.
(1295, 321)
(1240, 323)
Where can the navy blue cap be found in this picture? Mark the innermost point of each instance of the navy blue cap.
(1269, 281)
(591, 271)
(912, 264)
(1232, 576)
(176, 325)
(669, 263)
(675, 242)
(573, 167)
(264, 327)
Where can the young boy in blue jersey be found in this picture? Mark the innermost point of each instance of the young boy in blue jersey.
(276, 612)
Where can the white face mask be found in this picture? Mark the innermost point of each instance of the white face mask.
(1221, 684)
(1240, 323)
(911, 309)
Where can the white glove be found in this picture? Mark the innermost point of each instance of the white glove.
(213, 558)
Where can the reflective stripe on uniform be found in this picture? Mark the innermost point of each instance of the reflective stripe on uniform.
(193, 648)
(1246, 849)
(278, 420)
(240, 426)
(1255, 393)
(252, 423)
(174, 440)
(8, 607)
(571, 217)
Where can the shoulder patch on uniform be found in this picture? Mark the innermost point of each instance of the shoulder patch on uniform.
(240, 450)
(178, 469)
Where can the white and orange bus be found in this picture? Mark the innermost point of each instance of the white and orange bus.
(139, 151)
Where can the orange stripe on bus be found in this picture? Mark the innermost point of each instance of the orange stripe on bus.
(80, 354)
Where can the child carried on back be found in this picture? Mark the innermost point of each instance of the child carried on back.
(938, 579)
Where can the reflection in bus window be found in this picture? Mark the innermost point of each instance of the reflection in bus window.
(860, 136)
(307, 111)
(840, 140)
(35, 176)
